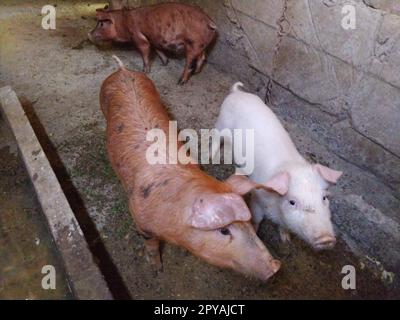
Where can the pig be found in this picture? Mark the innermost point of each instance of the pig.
(299, 201)
(176, 203)
(171, 27)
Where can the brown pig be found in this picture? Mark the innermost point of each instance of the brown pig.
(171, 27)
(176, 203)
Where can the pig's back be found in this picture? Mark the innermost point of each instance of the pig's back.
(273, 145)
(171, 22)
(132, 107)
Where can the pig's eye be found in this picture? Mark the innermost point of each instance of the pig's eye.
(292, 202)
(324, 198)
(103, 22)
(225, 231)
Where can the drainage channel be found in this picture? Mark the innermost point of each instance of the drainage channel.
(85, 277)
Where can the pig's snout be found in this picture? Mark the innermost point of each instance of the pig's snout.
(90, 37)
(263, 268)
(94, 37)
(272, 268)
(252, 258)
(324, 242)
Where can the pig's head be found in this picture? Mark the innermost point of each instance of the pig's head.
(304, 204)
(105, 29)
(221, 234)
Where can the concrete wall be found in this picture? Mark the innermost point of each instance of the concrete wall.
(337, 91)
(353, 75)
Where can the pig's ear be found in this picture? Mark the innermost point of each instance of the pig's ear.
(241, 184)
(279, 183)
(213, 211)
(328, 174)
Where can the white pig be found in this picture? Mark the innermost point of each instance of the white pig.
(300, 199)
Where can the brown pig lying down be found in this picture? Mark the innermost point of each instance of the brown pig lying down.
(176, 203)
(172, 27)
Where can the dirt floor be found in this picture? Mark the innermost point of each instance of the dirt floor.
(57, 75)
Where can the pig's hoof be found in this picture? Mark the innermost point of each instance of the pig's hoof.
(164, 62)
(285, 235)
(157, 269)
(181, 81)
(155, 262)
(146, 69)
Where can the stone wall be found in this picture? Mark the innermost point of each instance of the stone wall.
(338, 93)
(353, 75)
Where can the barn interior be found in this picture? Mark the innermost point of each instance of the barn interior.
(336, 90)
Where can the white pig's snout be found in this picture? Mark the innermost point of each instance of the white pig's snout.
(324, 242)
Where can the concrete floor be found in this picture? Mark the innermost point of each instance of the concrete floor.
(57, 75)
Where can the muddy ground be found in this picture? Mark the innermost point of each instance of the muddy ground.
(57, 75)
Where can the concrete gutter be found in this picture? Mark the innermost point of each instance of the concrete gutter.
(85, 278)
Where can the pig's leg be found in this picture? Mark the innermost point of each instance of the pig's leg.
(190, 65)
(153, 253)
(200, 61)
(163, 57)
(186, 72)
(285, 238)
(257, 212)
(144, 47)
(145, 51)
(284, 234)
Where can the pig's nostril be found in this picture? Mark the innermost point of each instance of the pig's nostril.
(276, 265)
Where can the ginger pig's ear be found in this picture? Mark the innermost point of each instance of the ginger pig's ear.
(241, 184)
(217, 210)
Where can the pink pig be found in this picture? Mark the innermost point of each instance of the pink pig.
(300, 199)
